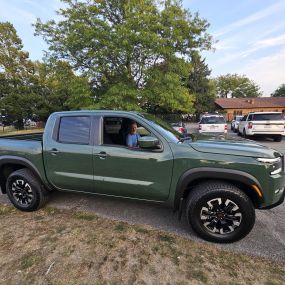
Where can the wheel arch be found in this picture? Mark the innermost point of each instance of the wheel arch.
(9, 164)
(193, 177)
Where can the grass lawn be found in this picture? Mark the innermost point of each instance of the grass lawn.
(54, 246)
(11, 131)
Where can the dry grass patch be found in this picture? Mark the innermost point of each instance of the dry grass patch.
(12, 131)
(54, 246)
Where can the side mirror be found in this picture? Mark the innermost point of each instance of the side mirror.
(148, 142)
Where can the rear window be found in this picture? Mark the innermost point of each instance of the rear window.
(74, 130)
(212, 120)
(267, 117)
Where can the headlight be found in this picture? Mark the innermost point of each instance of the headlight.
(276, 164)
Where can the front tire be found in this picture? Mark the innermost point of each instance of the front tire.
(220, 212)
(24, 190)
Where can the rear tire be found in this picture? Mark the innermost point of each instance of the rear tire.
(244, 134)
(220, 212)
(278, 138)
(25, 191)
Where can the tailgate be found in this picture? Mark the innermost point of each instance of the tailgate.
(268, 126)
(213, 127)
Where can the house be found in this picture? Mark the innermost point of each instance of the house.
(242, 106)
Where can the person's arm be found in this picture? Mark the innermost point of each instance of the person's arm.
(129, 140)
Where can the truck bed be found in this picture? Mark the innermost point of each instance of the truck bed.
(31, 136)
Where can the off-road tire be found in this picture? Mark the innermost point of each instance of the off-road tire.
(23, 184)
(211, 191)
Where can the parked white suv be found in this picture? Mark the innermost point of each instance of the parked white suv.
(266, 124)
(212, 124)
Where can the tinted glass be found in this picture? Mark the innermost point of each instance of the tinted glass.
(249, 118)
(266, 117)
(74, 130)
(212, 120)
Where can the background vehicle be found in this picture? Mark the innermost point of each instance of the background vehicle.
(212, 124)
(235, 123)
(265, 124)
(218, 183)
(179, 127)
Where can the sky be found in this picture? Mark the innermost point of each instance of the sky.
(249, 34)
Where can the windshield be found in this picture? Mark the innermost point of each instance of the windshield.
(268, 116)
(212, 120)
(163, 127)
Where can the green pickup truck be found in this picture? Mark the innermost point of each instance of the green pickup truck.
(218, 183)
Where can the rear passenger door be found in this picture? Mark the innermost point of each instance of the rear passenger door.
(68, 154)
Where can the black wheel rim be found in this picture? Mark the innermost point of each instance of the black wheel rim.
(22, 192)
(221, 216)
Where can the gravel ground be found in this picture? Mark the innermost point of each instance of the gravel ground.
(267, 239)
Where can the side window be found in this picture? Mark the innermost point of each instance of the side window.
(116, 130)
(250, 117)
(74, 130)
(244, 118)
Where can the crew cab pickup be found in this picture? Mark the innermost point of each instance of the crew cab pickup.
(218, 183)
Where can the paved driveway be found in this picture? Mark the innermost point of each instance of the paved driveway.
(267, 238)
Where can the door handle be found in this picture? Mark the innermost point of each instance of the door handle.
(102, 154)
(54, 151)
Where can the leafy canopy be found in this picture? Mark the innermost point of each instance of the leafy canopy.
(236, 86)
(122, 46)
(201, 86)
(18, 81)
(279, 92)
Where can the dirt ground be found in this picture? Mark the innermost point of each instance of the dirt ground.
(54, 246)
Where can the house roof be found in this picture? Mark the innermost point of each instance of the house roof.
(249, 103)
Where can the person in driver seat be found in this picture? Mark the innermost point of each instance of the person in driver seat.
(133, 136)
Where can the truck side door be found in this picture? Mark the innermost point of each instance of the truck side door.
(68, 153)
(131, 172)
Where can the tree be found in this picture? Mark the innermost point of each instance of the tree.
(120, 44)
(61, 89)
(201, 86)
(279, 92)
(18, 90)
(236, 86)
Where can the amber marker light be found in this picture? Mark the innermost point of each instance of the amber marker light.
(257, 190)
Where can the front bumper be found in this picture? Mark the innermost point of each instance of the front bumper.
(274, 193)
(279, 202)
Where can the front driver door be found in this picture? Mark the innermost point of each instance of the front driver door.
(134, 173)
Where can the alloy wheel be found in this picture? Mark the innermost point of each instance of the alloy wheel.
(22, 192)
(221, 216)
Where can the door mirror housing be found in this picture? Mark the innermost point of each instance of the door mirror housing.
(148, 142)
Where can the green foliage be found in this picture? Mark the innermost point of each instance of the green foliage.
(118, 96)
(121, 46)
(279, 92)
(19, 84)
(238, 86)
(61, 89)
(201, 86)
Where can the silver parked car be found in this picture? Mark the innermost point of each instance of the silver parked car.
(235, 123)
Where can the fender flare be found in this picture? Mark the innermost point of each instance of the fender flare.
(9, 159)
(230, 175)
